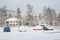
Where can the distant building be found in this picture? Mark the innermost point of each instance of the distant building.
(14, 22)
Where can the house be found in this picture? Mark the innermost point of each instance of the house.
(14, 22)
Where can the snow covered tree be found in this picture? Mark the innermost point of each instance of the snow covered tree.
(40, 16)
(49, 15)
(4, 11)
(54, 17)
(18, 13)
(29, 8)
(29, 16)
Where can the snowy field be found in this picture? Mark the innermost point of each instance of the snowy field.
(30, 35)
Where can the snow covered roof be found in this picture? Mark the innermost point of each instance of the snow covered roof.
(12, 19)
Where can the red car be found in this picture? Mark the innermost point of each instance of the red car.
(38, 28)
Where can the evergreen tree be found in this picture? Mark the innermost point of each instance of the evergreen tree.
(18, 13)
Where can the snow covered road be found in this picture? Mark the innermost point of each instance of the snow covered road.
(29, 36)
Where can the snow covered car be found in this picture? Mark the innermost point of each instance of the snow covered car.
(6, 29)
(23, 28)
(37, 28)
(46, 28)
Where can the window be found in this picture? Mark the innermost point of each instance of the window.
(20, 22)
(27, 23)
(16, 21)
(11, 21)
(13, 24)
(7, 22)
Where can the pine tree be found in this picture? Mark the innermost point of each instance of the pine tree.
(18, 13)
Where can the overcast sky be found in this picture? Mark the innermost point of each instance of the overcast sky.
(37, 4)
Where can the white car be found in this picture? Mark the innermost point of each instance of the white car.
(23, 28)
(47, 28)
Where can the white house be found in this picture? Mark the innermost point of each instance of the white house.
(14, 22)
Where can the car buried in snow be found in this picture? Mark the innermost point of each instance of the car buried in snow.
(6, 29)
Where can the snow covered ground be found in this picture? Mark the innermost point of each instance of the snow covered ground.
(30, 35)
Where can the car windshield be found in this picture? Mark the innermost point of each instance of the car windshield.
(43, 25)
